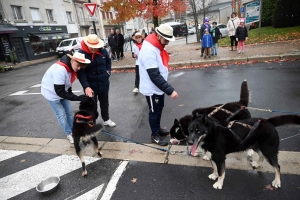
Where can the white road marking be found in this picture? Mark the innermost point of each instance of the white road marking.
(5, 154)
(37, 85)
(111, 186)
(29, 178)
(92, 194)
(178, 74)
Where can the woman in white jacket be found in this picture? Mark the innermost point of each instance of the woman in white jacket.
(232, 25)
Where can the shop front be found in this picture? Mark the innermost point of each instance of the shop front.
(35, 42)
(6, 31)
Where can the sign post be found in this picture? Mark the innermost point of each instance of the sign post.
(91, 7)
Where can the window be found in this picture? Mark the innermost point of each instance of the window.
(69, 16)
(103, 15)
(50, 15)
(18, 12)
(35, 14)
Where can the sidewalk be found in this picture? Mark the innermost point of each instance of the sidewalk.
(187, 55)
(290, 161)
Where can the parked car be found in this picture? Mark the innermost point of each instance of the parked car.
(68, 46)
(191, 30)
(223, 30)
(105, 40)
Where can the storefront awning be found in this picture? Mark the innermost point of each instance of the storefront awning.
(7, 28)
(52, 36)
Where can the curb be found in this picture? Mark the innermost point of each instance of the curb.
(130, 151)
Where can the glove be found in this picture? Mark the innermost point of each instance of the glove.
(70, 90)
(246, 38)
(237, 39)
(82, 98)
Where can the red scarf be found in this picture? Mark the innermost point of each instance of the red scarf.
(139, 45)
(85, 48)
(163, 53)
(73, 74)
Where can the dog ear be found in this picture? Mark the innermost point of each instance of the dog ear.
(176, 122)
(204, 118)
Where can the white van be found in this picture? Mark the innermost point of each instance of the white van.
(68, 46)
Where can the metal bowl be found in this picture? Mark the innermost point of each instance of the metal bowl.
(49, 185)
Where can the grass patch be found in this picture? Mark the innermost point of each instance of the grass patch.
(268, 34)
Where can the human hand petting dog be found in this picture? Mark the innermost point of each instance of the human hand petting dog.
(89, 92)
(174, 95)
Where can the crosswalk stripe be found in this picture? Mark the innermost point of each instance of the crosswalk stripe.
(6, 154)
(29, 178)
(111, 186)
(92, 194)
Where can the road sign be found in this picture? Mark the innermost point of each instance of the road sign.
(93, 18)
(242, 9)
(91, 7)
(252, 12)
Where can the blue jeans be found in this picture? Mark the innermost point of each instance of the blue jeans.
(156, 105)
(64, 114)
(214, 49)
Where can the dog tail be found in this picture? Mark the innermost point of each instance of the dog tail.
(284, 120)
(95, 129)
(244, 96)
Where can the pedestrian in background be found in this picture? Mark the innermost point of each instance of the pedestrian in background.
(207, 43)
(120, 39)
(232, 25)
(113, 44)
(204, 26)
(216, 34)
(56, 88)
(241, 35)
(95, 77)
(136, 49)
(153, 68)
(152, 30)
(144, 34)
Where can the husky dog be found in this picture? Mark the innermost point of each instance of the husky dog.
(220, 139)
(220, 112)
(84, 128)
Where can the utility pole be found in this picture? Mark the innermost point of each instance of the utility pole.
(260, 13)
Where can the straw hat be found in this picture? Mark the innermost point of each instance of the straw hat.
(79, 57)
(138, 34)
(93, 41)
(166, 31)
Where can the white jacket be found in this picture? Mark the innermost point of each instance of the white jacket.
(232, 25)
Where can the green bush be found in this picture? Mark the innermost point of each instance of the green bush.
(286, 14)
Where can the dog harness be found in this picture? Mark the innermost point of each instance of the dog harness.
(249, 135)
(81, 119)
(231, 114)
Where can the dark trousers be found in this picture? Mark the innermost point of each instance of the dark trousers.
(115, 53)
(137, 77)
(103, 100)
(207, 51)
(232, 39)
(121, 52)
(156, 105)
(202, 50)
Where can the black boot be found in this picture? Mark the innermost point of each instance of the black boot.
(201, 55)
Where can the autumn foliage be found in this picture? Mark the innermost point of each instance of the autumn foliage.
(147, 9)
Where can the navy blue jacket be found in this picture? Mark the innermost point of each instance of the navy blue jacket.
(96, 74)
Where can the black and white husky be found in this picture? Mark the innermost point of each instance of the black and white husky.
(220, 139)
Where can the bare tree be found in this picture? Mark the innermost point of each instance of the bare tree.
(199, 10)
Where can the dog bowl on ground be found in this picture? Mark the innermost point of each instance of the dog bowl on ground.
(49, 185)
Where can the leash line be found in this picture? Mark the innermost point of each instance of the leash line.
(117, 136)
(269, 110)
(290, 137)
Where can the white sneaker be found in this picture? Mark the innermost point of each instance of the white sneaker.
(239, 51)
(109, 123)
(243, 52)
(70, 138)
(135, 90)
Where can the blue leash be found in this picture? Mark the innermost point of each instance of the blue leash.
(116, 136)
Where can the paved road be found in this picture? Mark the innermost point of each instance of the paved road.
(273, 86)
(115, 179)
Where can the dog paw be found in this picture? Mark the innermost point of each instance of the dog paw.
(276, 184)
(213, 176)
(250, 152)
(99, 154)
(254, 165)
(205, 157)
(218, 185)
(84, 173)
